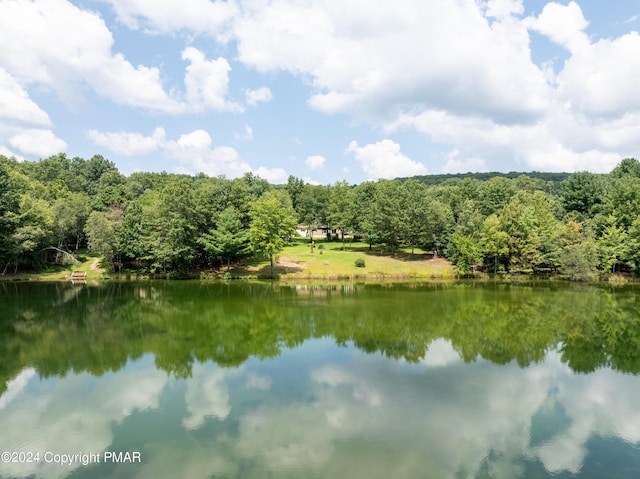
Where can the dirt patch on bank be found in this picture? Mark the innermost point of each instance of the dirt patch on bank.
(95, 265)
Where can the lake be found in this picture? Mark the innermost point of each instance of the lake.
(269, 380)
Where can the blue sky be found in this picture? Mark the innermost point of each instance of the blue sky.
(324, 90)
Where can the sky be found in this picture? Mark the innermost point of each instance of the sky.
(325, 90)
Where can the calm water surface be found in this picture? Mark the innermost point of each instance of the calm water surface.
(347, 381)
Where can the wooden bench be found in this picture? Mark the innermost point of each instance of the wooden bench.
(78, 274)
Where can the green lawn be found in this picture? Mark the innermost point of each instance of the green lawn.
(329, 261)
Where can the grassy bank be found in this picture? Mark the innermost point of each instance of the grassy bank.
(328, 260)
(91, 265)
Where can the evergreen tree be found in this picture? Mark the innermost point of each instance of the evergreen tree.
(228, 240)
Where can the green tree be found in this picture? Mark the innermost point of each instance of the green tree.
(439, 225)
(101, 233)
(70, 214)
(385, 215)
(414, 213)
(532, 228)
(364, 195)
(628, 167)
(623, 200)
(583, 192)
(57, 167)
(313, 206)
(255, 185)
(578, 261)
(132, 236)
(158, 229)
(464, 248)
(341, 211)
(527, 184)
(633, 246)
(210, 197)
(578, 258)
(228, 240)
(612, 246)
(34, 232)
(9, 210)
(273, 221)
(174, 226)
(494, 194)
(294, 188)
(464, 252)
(494, 242)
(469, 219)
(455, 192)
(110, 191)
(84, 175)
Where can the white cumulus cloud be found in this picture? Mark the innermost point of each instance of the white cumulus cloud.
(199, 16)
(261, 95)
(315, 162)
(193, 152)
(457, 165)
(196, 154)
(350, 54)
(560, 142)
(207, 395)
(62, 47)
(16, 106)
(247, 134)
(37, 142)
(563, 24)
(207, 82)
(276, 176)
(129, 143)
(385, 160)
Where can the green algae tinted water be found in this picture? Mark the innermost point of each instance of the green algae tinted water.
(201, 380)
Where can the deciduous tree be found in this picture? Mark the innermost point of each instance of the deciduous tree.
(273, 221)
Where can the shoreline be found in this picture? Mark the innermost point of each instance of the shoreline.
(379, 277)
(298, 264)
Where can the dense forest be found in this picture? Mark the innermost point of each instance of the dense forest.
(580, 225)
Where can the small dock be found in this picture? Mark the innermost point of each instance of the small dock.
(78, 277)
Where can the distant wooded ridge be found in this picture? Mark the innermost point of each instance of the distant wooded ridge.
(429, 180)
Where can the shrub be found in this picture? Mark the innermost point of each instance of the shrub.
(359, 263)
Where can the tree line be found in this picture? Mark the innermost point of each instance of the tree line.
(586, 225)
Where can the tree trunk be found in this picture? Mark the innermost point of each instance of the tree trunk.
(228, 263)
(271, 263)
